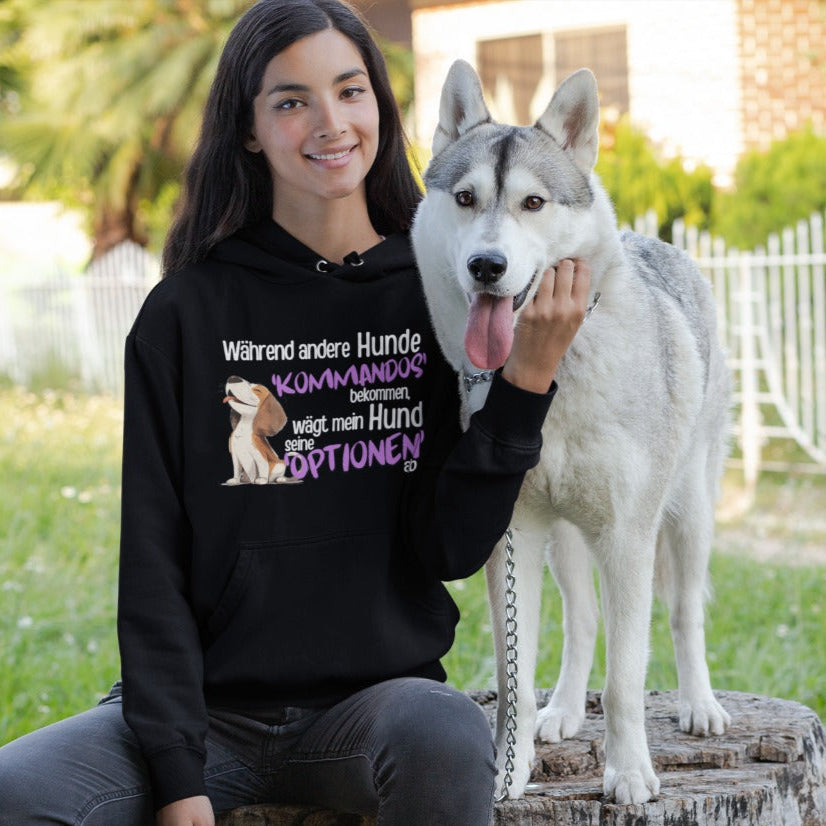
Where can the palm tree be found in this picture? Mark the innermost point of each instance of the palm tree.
(113, 99)
(101, 101)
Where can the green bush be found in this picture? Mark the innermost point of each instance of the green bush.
(638, 179)
(773, 190)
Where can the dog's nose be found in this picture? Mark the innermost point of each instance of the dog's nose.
(488, 268)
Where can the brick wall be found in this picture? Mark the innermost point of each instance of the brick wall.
(783, 68)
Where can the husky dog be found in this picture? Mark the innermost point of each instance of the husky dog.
(635, 439)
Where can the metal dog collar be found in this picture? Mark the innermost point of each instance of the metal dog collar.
(472, 379)
(593, 306)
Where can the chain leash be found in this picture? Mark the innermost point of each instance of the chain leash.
(511, 668)
(472, 379)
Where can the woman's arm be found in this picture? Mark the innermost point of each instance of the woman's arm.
(159, 642)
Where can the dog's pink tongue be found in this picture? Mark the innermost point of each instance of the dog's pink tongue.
(489, 333)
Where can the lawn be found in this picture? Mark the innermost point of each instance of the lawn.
(59, 508)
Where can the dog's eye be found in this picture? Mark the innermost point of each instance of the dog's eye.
(464, 198)
(533, 203)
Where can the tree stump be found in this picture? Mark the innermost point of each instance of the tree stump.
(268, 815)
(769, 769)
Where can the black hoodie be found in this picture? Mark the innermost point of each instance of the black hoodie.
(295, 489)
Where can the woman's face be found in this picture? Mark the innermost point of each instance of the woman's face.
(316, 120)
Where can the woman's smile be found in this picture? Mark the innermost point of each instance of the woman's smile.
(332, 158)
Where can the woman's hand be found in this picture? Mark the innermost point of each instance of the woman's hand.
(547, 325)
(191, 811)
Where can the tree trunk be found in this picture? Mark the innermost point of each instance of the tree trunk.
(112, 228)
(769, 769)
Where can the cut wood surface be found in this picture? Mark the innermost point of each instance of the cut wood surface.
(769, 769)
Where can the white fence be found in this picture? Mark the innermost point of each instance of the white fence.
(72, 328)
(771, 311)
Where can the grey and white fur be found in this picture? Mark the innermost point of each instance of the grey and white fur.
(635, 439)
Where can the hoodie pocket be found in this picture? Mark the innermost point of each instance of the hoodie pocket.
(331, 607)
(273, 580)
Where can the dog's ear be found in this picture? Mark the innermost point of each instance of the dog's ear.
(462, 105)
(572, 118)
(270, 417)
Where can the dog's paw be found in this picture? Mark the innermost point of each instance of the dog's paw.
(520, 774)
(704, 717)
(558, 723)
(631, 786)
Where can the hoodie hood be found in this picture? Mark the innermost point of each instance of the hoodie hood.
(270, 250)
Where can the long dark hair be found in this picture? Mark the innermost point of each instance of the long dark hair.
(227, 187)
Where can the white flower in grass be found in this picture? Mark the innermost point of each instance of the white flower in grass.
(68, 492)
(25, 622)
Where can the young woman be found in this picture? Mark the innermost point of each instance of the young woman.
(295, 485)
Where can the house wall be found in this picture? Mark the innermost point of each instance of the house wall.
(783, 68)
(683, 68)
(39, 238)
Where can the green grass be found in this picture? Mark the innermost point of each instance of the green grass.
(59, 511)
(765, 634)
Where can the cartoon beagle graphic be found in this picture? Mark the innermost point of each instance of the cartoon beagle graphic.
(255, 414)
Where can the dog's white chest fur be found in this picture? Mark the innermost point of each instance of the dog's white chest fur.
(242, 444)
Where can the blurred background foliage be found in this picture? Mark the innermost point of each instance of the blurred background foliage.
(638, 178)
(100, 113)
(105, 107)
(773, 190)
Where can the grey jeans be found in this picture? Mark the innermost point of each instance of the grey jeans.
(411, 752)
